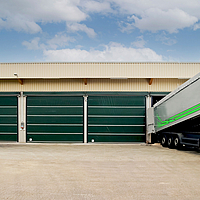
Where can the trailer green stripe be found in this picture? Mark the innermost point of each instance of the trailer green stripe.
(178, 116)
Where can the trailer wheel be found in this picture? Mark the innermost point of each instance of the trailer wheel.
(170, 142)
(177, 142)
(164, 141)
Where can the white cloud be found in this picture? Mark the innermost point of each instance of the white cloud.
(23, 15)
(155, 19)
(171, 20)
(59, 40)
(74, 27)
(112, 52)
(154, 15)
(166, 40)
(130, 7)
(126, 27)
(19, 23)
(140, 42)
(96, 6)
(33, 44)
(157, 15)
(196, 26)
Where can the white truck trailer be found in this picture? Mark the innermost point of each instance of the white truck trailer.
(174, 121)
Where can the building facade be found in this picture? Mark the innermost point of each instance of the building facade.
(83, 102)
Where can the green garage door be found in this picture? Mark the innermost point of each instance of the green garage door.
(56, 119)
(8, 118)
(116, 119)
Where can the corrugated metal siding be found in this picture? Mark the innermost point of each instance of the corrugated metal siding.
(10, 85)
(99, 70)
(158, 85)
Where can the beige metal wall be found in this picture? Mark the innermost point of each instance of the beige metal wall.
(98, 70)
(159, 85)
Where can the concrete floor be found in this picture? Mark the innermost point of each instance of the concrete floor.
(100, 171)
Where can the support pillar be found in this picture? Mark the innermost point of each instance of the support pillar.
(148, 105)
(85, 117)
(21, 118)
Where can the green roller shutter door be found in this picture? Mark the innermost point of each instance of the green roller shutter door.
(8, 118)
(116, 119)
(56, 119)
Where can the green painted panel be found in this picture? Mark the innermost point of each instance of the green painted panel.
(116, 129)
(116, 138)
(8, 120)
(54, 120)
(116, 111)
(9, 93)
(116, 101)
(8, 129)
(57, 122)
(104, 118)
(8, 124)
(53, 101)
(54, 129)
(117, 120)
(8, 111)
(8, 137)
(54, 111)
(55, 137)
(8, 101)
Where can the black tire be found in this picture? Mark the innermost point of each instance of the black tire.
(164, 141)
(177, 143)
(170, 142)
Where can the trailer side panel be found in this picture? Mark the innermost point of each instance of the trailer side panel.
(183, 105)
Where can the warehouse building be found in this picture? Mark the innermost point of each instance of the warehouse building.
(83, 102)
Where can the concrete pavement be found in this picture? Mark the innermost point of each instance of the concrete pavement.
(98, 171)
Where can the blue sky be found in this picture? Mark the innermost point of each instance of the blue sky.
(101, 30)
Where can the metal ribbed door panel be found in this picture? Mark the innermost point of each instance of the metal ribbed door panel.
(116, 119)
(8, 118)
(56, 119)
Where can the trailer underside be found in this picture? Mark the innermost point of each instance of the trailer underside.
(185, 133)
